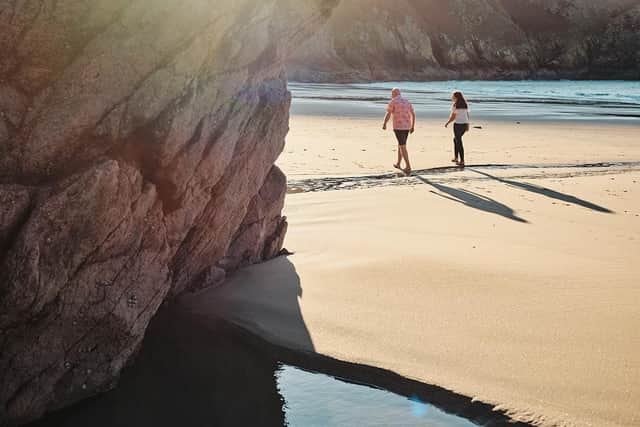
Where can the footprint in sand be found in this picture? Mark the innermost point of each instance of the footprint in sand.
(295, 190)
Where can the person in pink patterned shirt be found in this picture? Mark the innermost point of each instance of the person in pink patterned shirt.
(404, 121)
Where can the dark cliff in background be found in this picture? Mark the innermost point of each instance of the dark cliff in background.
(137, 143)
(373, 40)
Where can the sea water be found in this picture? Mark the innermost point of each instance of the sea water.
(617, 101)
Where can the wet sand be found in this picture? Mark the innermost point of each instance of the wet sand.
(517, 285)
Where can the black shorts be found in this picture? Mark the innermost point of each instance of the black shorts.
(402, 136)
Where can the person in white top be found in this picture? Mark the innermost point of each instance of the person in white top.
(460, 117)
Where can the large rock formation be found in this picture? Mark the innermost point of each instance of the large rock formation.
(137, 143)
(376, 40)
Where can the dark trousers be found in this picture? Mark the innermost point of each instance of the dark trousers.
(458, 148)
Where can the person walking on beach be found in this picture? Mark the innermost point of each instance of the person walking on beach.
(460, 117)
(404, 121)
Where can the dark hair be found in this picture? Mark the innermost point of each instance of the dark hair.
(460, 101)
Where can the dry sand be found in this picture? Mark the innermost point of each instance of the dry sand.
(344, 146)
(519, 288)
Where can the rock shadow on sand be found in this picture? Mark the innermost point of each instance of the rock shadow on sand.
(275, 290)
(196, 369)
(472, 200)
(547, 192)
(270, 292)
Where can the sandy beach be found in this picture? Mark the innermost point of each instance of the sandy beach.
(204, 220)
(515, 284)
(352, 146)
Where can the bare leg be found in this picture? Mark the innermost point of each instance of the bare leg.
(405, 154)
(398, 165)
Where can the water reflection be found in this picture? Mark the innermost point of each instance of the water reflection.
(191, 372)
(187, 374)
(313, 399)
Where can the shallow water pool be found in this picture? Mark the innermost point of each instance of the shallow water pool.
(195, 372)
(314, 399)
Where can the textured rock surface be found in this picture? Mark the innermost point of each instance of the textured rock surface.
(137, 142)
(432, 39)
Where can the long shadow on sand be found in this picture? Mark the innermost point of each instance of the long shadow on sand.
(568, 198)
(289, 340)
(195, 369)
(473, 200)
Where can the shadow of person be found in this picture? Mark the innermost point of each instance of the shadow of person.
(473, 200)
(568, 198)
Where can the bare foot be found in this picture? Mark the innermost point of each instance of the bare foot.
(407, 171)
(397, 166)
(454, 161)
(461, 165)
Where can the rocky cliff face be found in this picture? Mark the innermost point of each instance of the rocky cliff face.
(372, 40)
(137, 142)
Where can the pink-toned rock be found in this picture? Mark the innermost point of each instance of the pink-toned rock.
(137, 143)
(262, 231)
